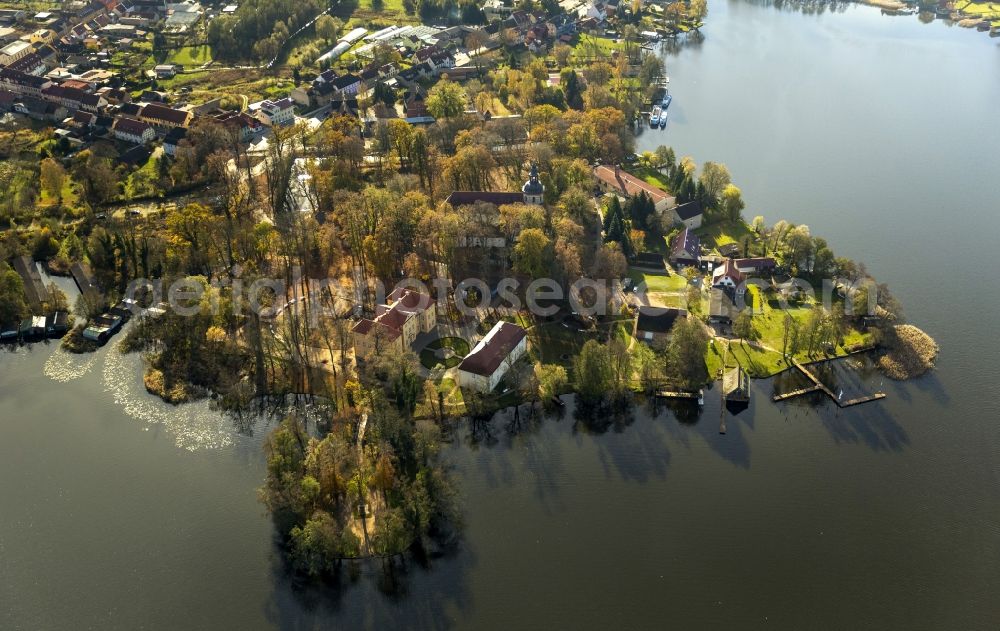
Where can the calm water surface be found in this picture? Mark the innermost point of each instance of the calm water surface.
(118, 512)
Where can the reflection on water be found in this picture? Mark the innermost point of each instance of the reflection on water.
(63, 366)
(193, 425)
(807, 7)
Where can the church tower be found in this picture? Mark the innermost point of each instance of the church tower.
(533, 189)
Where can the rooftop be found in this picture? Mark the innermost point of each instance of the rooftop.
(629, 184)
(658, 319)
(492, 350)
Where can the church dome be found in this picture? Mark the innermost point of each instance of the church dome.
(533, 186)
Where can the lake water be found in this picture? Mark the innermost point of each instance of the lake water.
(119, 512)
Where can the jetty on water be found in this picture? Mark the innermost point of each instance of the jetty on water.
(819, 386)
(673, 394)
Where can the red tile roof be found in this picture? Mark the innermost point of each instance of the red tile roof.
(628, 184)
(493, 349)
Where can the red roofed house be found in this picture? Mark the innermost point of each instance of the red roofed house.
(728, 276)
(163, 116)
(406, 314)
(614, 180)
(487, 363)
(130, 130)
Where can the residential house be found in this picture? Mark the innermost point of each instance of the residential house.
(560, 25)
(165, 117)
(36, 63)
(14, 51)
(624, 184)
(136, 155)
(153, 96)
(114, 96)
(729, 278)
(689, 213)
(36, 108)
(344, 106)
(241, 123)
(346, 84)
(654, 324)
(166, 71)
(173, 138)
(74, 98)
(277, 113)
(490, 359)
(22, 83)
(41, 36)
(406, 314)
(536, 38)
(81, 120)
(415, 103)
(756, 266)
(685, 248)
(133, 131)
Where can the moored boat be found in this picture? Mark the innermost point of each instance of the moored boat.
(654, 116)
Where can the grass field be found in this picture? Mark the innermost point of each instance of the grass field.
(659, 283)
(190, 56)
(650, 176)
(720, 233)
(591, 46)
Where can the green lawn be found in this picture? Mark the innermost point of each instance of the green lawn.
(720, 233)
(659, 283)
(553, 343)
(650, 176)
(190, 56)
(588, 46)
(430, 360)
(770, 327)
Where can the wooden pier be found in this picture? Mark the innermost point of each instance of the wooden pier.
(860, 400)
(796, 393)
(819, 386)
(670, 394)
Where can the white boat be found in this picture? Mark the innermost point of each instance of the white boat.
(654, 116)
